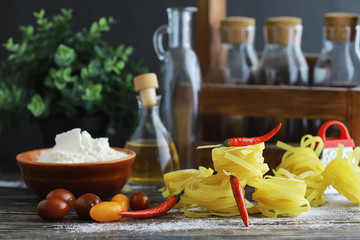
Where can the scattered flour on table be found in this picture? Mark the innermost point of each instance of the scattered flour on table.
(75, 146)
(333, 216)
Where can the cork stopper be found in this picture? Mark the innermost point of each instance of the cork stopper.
(146, 84)
(338, 26)
(278, 30)
(233, 29)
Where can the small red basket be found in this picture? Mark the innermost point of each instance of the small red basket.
(331, 145)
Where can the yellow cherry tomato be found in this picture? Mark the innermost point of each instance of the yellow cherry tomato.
(106, 211)
(122, 200)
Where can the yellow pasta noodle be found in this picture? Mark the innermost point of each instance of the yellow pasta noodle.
(242, 162)
(303, 163)
(276, 196)
(177, 180)
(212, 192)
(344, 174)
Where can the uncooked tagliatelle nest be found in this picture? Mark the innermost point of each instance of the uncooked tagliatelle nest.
(213, 193)
(343, 173)
(303, 163)
(299, 182)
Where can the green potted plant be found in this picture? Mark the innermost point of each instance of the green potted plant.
(57, 73)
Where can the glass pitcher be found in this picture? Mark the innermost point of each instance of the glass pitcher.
(179, 82)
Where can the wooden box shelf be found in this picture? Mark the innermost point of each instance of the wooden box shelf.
(322, 103)
(341, 104)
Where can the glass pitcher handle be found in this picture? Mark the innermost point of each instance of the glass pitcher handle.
(158, 41)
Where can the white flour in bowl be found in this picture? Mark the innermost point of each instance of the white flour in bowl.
(75, 146)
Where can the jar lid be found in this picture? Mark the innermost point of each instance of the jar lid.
(237, 22)
(283, 21)
(146, 85)
(282, 30)
(338, 25)
(146, 80)
(341, 19)
(234, 30)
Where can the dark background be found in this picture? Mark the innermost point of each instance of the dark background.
(136, 22)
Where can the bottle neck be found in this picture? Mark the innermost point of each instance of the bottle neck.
(180, 20)
(149, 112)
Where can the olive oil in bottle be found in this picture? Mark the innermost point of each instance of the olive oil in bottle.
(152, 161)
(155, 150)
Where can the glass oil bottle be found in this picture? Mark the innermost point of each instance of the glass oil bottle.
(155, 150)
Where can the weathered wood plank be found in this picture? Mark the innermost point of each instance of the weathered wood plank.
(274, 101)
(353, 114)
(339, 218)
(210, 12)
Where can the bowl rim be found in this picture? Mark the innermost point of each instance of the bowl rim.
(20, 159)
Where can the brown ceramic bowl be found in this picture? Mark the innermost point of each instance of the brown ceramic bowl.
(104, 179)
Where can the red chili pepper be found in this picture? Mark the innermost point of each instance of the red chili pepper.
(240, 199)
(156, 211)
(244, 141)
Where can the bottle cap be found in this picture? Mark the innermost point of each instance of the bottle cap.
(146, 84)
(278, 29)
(338, 26)
(234, 29)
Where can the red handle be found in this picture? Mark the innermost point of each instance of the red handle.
(344, 137)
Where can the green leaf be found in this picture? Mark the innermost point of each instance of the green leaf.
(120, 65)
(109, 65)
(111, 20)
(103, 25)
(10, 46)
(39, 14)
(59, 84)
(36, 105)
(99, 51)
(129, 51)
(28, 31)
(66, 75)
(22, 48)
(64, 56)
(84, 73)
(94, 29)
(93, 68)
(67, 13)
(92, 92)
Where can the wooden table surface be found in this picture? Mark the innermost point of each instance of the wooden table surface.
(338, 218)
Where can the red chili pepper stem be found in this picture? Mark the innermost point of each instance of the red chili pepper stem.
(240, 199)
(177, 196)
(244, 141)
(156, 211)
